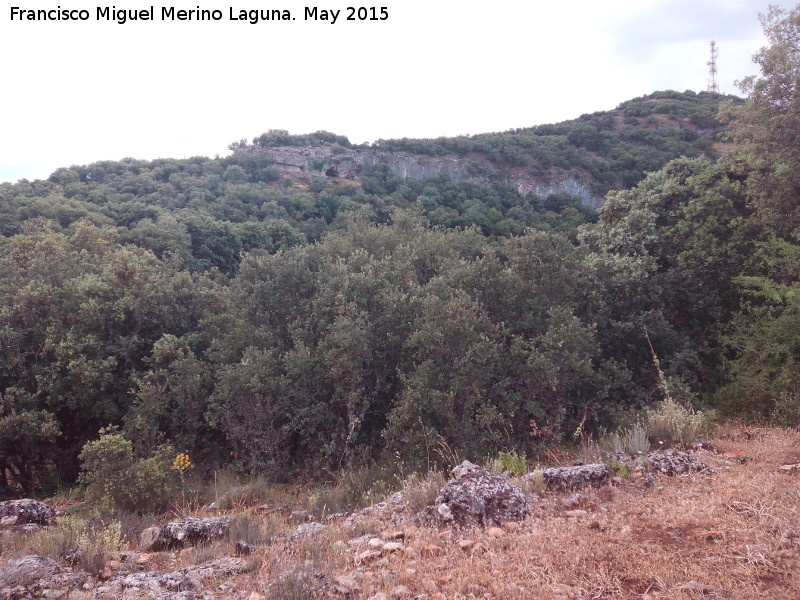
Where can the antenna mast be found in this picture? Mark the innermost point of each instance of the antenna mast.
(712, 69)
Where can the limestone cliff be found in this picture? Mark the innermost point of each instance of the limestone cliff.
(332, 161)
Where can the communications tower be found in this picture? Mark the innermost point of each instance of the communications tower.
(712, 69)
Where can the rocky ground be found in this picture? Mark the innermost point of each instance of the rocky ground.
(719, 521)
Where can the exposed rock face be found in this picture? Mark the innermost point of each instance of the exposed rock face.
(185, 532)
(170, 585)
(307, 529)
(565, 478)
(27, 511)
(26, 570)
(675, 462)
(478, 497)
(355, 163)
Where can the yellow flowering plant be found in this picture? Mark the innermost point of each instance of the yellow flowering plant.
(181, 464)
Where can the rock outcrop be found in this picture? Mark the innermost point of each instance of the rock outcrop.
(478, 497)
(26, 510)
(566, 478)
(177, 534)
(675, 462)
(347, 163)
(27, 570)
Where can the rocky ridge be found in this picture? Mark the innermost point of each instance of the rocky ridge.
(345, 163)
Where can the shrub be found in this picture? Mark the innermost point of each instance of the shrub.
(673, 424)
(92, 546)
(116, 479)
(55, 541)
(633, 440)
(513, 462)
(96, 544)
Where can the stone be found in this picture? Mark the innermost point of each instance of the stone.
(444, 512)
(149, 539)
(375, 543)
(298, 516)
(480, 498)
(466, 545)
(244, 548)
(739, 457)
(178, 534)
(464, 468)
(393, 535)
(189, 579)
(26, 570)
(308, 529)
(359, 541)
(675, 462)
(368, 556)
(576, 513)
(790, 468)
(392, 547)
(351, 163)
(345, 585)
(566, 478)
(573, 501)
(27, 510)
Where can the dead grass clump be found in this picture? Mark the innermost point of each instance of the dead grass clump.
(133, 524)
(57, 540)
(299, 570)
(238, 497)
(421, 491)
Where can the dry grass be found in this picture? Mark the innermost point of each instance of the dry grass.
(734, 536)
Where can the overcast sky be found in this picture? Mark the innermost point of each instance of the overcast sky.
(78, 92)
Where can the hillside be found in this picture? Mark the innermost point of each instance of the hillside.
(584, 157)
(302, 328)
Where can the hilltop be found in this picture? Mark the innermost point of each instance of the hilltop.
(583, 157)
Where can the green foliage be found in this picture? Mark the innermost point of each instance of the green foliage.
(27, 444)
(764, 374)
(618, 468)
(115, 478)
(283, 330)
(617, 147)
(671, 424)
(513, 462)
(80, 313)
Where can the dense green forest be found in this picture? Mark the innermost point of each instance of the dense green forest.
(283, 328)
